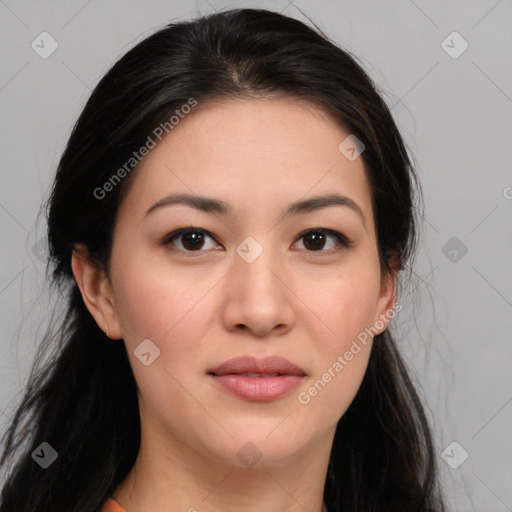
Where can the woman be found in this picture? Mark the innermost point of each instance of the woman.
(228, 221)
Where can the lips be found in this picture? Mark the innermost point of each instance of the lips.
(273, 366)
(258, 380)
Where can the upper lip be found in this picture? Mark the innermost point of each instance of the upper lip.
(250, 364)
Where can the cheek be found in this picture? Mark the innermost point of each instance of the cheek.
(347, 307)
(173, 312)
(171, 308)
(346, 304)
(149, 298)
(329, 393)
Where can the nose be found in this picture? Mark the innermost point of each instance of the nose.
(259, 299)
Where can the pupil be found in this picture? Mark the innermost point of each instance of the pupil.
(192, 239)
(317, 238)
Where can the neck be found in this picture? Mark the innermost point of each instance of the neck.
(167, 471)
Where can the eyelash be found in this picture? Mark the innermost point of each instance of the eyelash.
(342, 239)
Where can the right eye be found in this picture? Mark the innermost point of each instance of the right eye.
(191, 239)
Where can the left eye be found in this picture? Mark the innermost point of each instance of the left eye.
(193, 239)
(316, 238)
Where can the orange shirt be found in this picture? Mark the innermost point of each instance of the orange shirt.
(112, 506)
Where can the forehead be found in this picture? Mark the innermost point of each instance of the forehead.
(252, 151)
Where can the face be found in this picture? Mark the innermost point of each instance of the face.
(253, 281)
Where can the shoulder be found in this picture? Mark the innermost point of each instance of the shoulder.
(111, 506)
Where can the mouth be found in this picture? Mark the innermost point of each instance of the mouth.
(252, 375)
(258, 380)
(250, 366)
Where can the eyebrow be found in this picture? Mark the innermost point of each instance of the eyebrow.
(210, 205)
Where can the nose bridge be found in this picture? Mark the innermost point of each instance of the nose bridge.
(259, 297)
(256, 263)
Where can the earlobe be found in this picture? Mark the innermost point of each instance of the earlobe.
(96, 291)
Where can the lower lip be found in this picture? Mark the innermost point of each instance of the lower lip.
(258, 389)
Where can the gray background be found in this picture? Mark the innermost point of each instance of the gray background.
(456, 117)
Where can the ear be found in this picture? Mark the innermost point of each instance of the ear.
(387, 296)
(96, 291)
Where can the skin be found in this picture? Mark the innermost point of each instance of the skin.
(206, 306)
